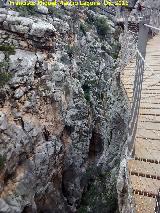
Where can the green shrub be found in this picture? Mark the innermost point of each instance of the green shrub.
(84, 28)
(91, 82)
(4, 78)
(55, 12)
(2, 161)
(71, 50)
(8, 49)
(90, 19)
(27, 10)
(2, 64)
(102, 27)
(115, 50)
(86, 89)
(1, 4)
(100, 195)
(82, 209)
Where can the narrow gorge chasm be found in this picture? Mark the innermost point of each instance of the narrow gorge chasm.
(63, 110)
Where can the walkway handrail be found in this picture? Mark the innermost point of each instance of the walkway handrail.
(140, 62)
(143, 59)
(147, 24)
(152, 27)
(157, 207)
(144, 26)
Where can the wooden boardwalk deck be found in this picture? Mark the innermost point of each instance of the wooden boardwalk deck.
(144, 169)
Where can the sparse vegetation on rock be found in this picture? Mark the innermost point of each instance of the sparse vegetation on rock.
(4, 78)
(102, 27)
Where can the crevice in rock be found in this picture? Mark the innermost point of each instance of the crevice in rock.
(27, 209)
(68, 176)
(95, 146)
(2, 98)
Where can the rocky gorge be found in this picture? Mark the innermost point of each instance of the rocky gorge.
(63, 111)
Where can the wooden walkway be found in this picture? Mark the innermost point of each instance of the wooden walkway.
(144, 169)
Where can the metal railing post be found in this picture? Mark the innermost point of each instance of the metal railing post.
(142, 43)
(143, 35)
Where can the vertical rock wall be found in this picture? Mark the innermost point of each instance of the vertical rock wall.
(62, 111)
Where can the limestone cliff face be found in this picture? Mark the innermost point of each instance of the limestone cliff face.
(62, 111)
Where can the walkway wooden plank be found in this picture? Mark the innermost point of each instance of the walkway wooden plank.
(149, 126)
(144, 204)
(152, 134)
(148, 144)
(151, 111)
(149, 118)
(137, 167)
(145, 185)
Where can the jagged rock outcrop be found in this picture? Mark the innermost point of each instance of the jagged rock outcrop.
(62, 112)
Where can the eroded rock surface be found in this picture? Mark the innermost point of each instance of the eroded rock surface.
(62, 112)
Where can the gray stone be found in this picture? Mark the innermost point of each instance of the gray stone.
(42, 9)
(3, 121)
(4, 207)
(19, 92)
(40, 28)
(2, 56)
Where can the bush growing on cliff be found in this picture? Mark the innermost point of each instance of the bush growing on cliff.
(4, 78)
(71, 50)
(100, 196)
(86, 89)
(90, 19)
(27, 10)
(1, 3)
(115, 50)
(83, 28)
(7, 49)
(4, 75)
(102, 26)
(57, 12)
(100, 23)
